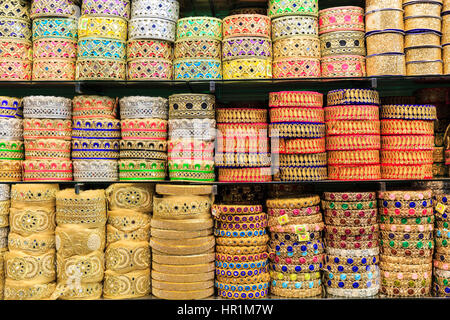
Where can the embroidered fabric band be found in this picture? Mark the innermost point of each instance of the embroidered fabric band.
(181, 170)
(96, 129)
(359, 157)
(341, 19)
(15, 69)
(368, 172)
(142, 170)
(408, 112)
(386, 64)
(200, 48)
(299, 46)
(291, 26)
(292, 7)
(241, 115)
(303, 160)
(296, 68)
(143, 149)
(11, 150)
(169, 10)
(197, 129)
(32, 220)
(313, 115)
(151, 28)
(342, 42)
(10, 107)
(76, 239)
(47, 8)
(343, 66)
(191, 106)
(296, 99)
(127, 256)
(247, 69)
(107, 27)
(10, 170)
(406, 157)
(95, 170)
(144, 69)
(407, 127)
(352, 112)
(47, 107)
(119, 8)
(407, 171)
(196, 69)
(199, 27)
(14, 28)
(94, 107)
(24, 267)
(101, 149)
(393, 43)
(45, 69)
(47, 170)
(144, 129)
(353, 96)
(15, 9)
(30, 195)
(132, 196)
(35, 243)
(245, 175)
(28, 290)
(229, 160)
(426, 23)
(47, 48)
(149, 49)
(351, 127)
(61, 28)
(297, 130)
(129, 285)
(47, 149)
(100, 69)
(96, 48)
(384, 20)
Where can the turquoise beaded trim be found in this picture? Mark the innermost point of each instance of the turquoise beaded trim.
(65, 28)
(244, 265)
(197, 69)
(102, 48)
(239, 234)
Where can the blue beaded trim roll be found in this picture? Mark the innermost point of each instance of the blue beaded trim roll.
(15, 28)
(355, 269)
(350, 261)
(239, 234)
(240, 273)
(355, 285)
(102, 48)
(353, 277)
(408, 204)
(297, 284)
(248, 287)
(244, 265)
(242, 295)
(65, 28)
(95, 150)
(306, 268)
(298, 130)
(442, 233)
(199, 69)
(10, 107)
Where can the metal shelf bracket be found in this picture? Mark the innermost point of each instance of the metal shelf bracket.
(78, 186)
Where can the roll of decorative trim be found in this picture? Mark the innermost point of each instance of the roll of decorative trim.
(342, 43)
(351, 127)
(300, 146)
(352, 112)
(197, 129)
(343, 66)
(246, 48)
(246, 25)
(50, 8)
(296, 99)
(369, 172)
(151, 28)
(194, 171)
(233, 160)
(47, 149)
(144, 69)
(363, 142)
(107, 27)
(406, 127)
(200, 48)
(335, 19)
(10, 170)
(100, 69)
(420, 39)
(359, 157)
(65, 28)
(16, 49)
(88, 149)
(372, 5)
(19, 290)
(279, 8)
(95, 170)
(183, 106)
(143, 149)
(407, 171)
(297, 130)
(199, 27)
(423, 23)
(384, 19)
(11, 150)
(416, 68)
(47, 107)
(47, 170)
(96, 129)
(298, 46)
(47, 128)
(47, 48)
(169, 10)
(245, 175)
(14, 70)
(154, 49)
(97, 48)
(196, 69)
(385, 42)
(144, 129)
(424, 54)
(290, 26)
(85, 107)
(15, 9)
(296, 68)
(152, 170)
(303, 160)
(408, 112)
(106, 8)
(353, 96)
(18, 29)
(241, 115)
(303, 174)
(313, 115)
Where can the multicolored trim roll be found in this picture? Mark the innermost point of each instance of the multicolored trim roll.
(100, 69)
(262, 174)
(342, 143)
(94, 107)
(15, 9)
(138, 107)
(97, 149)
(53, 70)
(246, 25)
(278, 8)
(200, 28)
(246, 47)
(407, 142)
(47, 149)
(197, 69)
(341, 19)
(358, 157)
(407, 172)
(385, 42)
(386, 64)
(95, 170)
(343, 66)
(11, 129)
(357, 173)
(142, 170)
(241, 115)
(14, 70)
(62, 28)
(297, 130)
(402, 127)
(47, 128)
(52, 8)
(408, 112)
(143, 149)
(10, 170)
(118, 8)
(47, 48)
(307, 99)
(406, 157)
(342, 42)
(95, 48)
(241, 160)
(16, 49)
(102, 27)
(198, 48)
(303, 174)
(144, 129)
(201, 171)
(384, 20)
(351, 127)
(191, 106)
(149, 69)
(353, 96)
(47, 107)
(11, 150)
(47, 170)
(303, 160)
(10, 107)
(299, 46)
(300, 146)
(292, 114)
(352, 112)
(17, 29)
(168, 9)
(96, 129)
(149, 49)
(151, 28)
(291, 26)
(247, 69)
(296, 68)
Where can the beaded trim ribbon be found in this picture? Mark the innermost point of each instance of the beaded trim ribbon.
(119, 8)
(246, 25)
(47, 107)
(65, 28)
(279, 8)
(52, 8)
(95, 170)
(164, 9)
(151, 28)
(199, 27)
(135, 107)
(291, 26)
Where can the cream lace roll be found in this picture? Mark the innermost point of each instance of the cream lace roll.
(20, 266)
(126, 256)
(36, 243)
(73, 239)
(85, 269)
(28, 290)
(129, 285)
(132, 196)
(33, 195)
(31, 220)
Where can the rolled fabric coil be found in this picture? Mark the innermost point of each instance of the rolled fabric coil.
(96, 129)
(406, 157)
(41, 195)
(241, 115)
(349, 196)
(245, 175)
(199, 27)
(15, 9)
(106, 8)
(87, 149)
(96, 48)
(157, 49)
(151, 28)
(303, 160)
(85, 291)
(381, 4)
(369, 172)
(119, 197)
(407, 142)
(297, 130)
(100, 69)
(62, 28)
(401, 127)
(296, 68)
(53, 70)
(358, 142)
(11, 107)
(205, 49)
(10, 170)
(94, 107)
(15, 70)
(47, 48)
(407, 172)
(291, 26)
(143, 129)
(195, 171)
(47, 149)
(11, 129)
(143, 149)
(315, 115)
(197, 69)
(424, 54)
(385, 65)
(342, 42)
(423, 23)
(197, 129)
(408, 112)
(292, 7)
(299, 46)
(47, 170)
(240, 160)
(149, 69)
(384, 19)
(133, 284)
(303, 174)
(5, 193)
(439, 169)
(142, 170)
(420, 68)
(413, 8)
(309, 99)
(58, 8)
(138, 107)
(246, 25)
(102, 27)
(301, 146)
(352, 112)
(360, 157)
(169, 10)
(94, 259)
(47, 128)
(95, 170)
(32, 244)
(16, 49)
(47, 107)
(347, 18)
(343, 66)
(384, 42)
(420, 39)
(352, 127)
(246, 47)
(353, 96)
(18, 29)
(20, 290)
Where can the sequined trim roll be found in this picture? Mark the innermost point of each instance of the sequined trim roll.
(296, 68)
(343, 66)
(341, 19)
(247, 69)
(369, 172)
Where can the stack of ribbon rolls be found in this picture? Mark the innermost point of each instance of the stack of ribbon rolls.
(47, 134)
(4, 224)
(54, 39)
(15, 40)
(198, 49)
(296, 248)
(441, 261)
(143, 148)
(96, 138)
(242, 153)
(438, 98)
(297, 127)
(151, 34)
(384, 38)
(407, 141)
(127, 255)
(351, 233)
(445, 40)
(182, 242)
(11, 139)
(241, 251)
(295, 36)
(423, 37)
(192, 131)
(247, 47)
(353, 134)
(80, 244)
(406, 223)
(102, 35)
(30, 263)
(342, 44)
